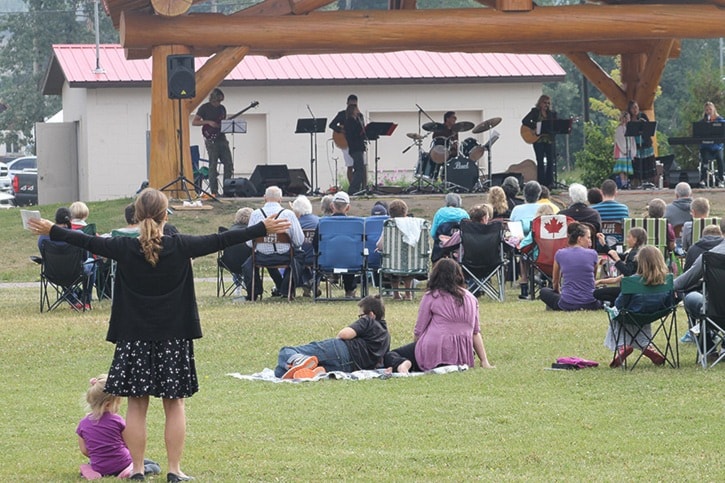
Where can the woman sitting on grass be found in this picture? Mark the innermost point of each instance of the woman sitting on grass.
(651, 270)
(576, 265)
(447, 331)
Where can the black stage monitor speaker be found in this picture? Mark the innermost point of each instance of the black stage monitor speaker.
(497, 178)
(180, 76)
(239, 187)
(266, 175)
(298, 182)
(691, 176)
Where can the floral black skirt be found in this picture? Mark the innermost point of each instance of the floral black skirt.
(153, 368)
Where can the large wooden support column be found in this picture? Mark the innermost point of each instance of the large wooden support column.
(164, 163)
(601, 80)
(213, 72)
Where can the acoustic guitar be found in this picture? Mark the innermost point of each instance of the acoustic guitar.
(529, 135)
(339, 139)
(211, 133)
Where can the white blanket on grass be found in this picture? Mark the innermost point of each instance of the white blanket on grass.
(268, 375)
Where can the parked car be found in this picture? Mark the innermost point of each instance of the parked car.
(15, 166)
(5, 184)
(25, 187)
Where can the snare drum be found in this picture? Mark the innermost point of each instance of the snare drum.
(472, 149)
(439, 150)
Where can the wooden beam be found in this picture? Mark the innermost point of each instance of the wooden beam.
(171, 8)
(402, 4)
(268, 7)
(302, 7)
(632, 65)
(165, 156)
(514, 5)
(381, 31)
(214, 70)
(652, 73)
(599, 78)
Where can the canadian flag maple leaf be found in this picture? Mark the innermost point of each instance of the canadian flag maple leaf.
(553, 226)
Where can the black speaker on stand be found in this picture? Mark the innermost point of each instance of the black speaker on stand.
(266, 175)
(181, 83)
(690, 176)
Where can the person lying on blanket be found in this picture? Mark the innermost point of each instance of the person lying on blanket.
(361, 345)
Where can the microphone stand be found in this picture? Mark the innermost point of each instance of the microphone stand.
(416, 186)
(313, 156)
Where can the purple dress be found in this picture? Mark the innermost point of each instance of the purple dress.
(444, 330)
(104, 441)
(577, 271)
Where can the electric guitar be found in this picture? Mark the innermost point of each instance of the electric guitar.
(211, 133)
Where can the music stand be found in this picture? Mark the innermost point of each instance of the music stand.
(312, 126)
(643, 129)
(554, 127)
(373, 131)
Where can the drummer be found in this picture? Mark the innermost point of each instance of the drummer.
(446, 131)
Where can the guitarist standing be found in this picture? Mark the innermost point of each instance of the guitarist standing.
(338, 135)
(544, 145)
(210, 116)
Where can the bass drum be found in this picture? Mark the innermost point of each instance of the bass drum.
(472, 149)
(462, 172)
(439, 150)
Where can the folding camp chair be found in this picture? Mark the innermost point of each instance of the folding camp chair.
(632, 325)
(448, 228)
(106, 269)
(613, 232)
(201, 173)
(699, 224)
(231, 260)
(403, 255)
(711, 327)
(550, 235)
(340, 252)
(288, 264)
(308, 264)
(373, 231)
(62, 278)
(656, 229)
(482, 258)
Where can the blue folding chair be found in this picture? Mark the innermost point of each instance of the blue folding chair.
(373, 231)
(201, 173)
(340, 252)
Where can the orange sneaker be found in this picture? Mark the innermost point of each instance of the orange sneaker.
(299, 362)
(319, 370)
(304, 373)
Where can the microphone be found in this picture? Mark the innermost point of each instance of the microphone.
(406, 149)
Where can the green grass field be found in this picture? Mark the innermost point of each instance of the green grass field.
(518, 422)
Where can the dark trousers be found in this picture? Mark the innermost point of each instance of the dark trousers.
(550, 298)
(397, 356)
(358, 171)
(218, 152)
(544, 171)
(607, 294)
(281, 281)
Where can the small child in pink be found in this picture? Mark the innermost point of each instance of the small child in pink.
(100, 436)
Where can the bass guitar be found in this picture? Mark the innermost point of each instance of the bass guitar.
(211, 133)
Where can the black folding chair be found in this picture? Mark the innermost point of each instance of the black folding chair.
(62, 277)
(231, 260)
(711, 327)
(483, 259)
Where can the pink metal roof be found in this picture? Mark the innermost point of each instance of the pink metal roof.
(78, 62)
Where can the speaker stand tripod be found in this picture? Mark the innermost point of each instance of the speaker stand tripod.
(182, 179)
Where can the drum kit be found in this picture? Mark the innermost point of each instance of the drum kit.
(444, 166)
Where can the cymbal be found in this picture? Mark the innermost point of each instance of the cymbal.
(462, 126)
(486, 125)
(433, 126)
(416, 136)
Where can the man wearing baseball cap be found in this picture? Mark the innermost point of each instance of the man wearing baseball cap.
(340, 207)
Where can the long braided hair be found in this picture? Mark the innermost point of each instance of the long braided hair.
(151, 206)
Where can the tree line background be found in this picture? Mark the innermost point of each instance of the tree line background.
(28, 29)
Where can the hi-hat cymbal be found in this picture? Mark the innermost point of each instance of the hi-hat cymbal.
(416, 136)
(433, 126)
(462, 126)
(486, 125)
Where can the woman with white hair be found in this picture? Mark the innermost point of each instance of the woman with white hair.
(302, 207)
(579, 210)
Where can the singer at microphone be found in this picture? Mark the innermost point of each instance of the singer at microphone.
(544, 144)
(712, 151)
(338, 135)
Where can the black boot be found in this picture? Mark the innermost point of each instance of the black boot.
(524, 291)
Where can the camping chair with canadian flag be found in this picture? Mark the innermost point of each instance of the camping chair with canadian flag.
(550, 234)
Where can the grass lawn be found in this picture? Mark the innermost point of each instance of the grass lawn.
(518, 422)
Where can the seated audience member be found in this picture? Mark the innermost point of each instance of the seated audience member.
(273, 253)
(129, 213)
(398, 209)
(651, 270)
(451, 212)
(609, 209)
(545, 199)
(711, 237)
(656, 209)
(359, 346)
(241, 221)
(576, 265)
(340, 207)
(379, 208)
(326, 205)
(511, 187)
(578, 209)
(594, 196)
(497, 199)
(79, 214)
(627, 266)
(527, 211)
(479, 214)
(308, 221)
(241, 218)
(447, 331)
(62, 218)
(699, 208)
(544, 209)
(678, 212)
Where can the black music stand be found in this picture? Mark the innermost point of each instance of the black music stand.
(312, 126)
(373, 131)
(554, 127)
(644, 129)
